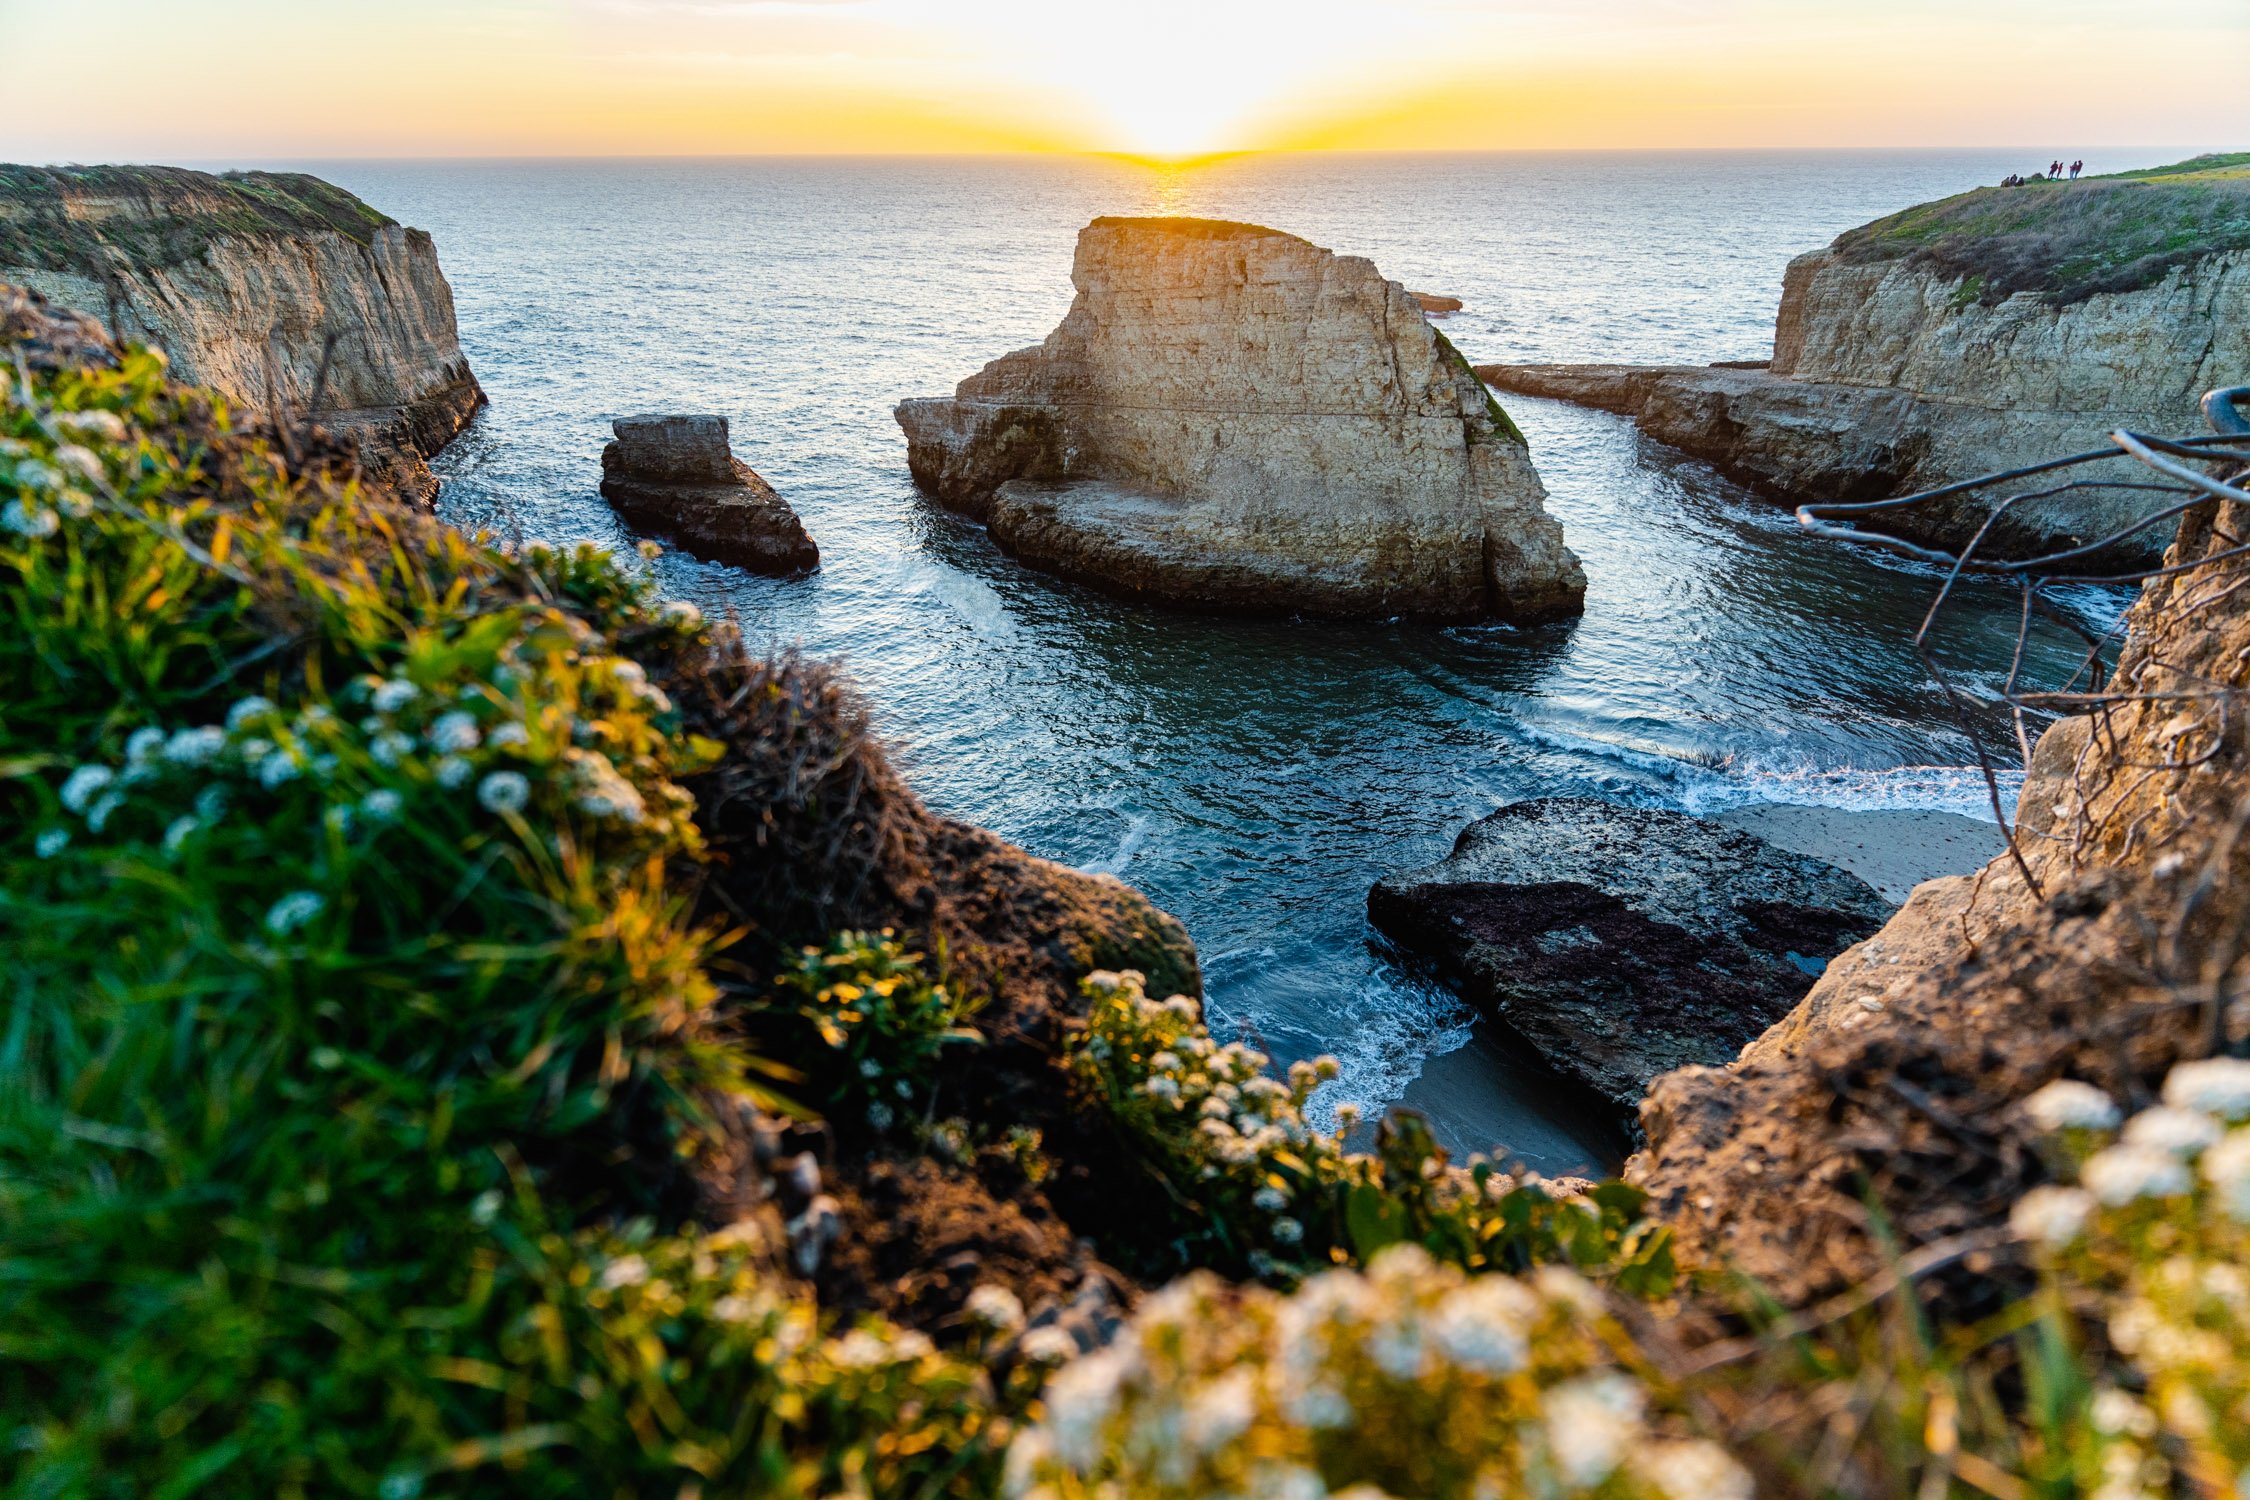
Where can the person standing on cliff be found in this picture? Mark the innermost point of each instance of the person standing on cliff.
(2077, 167)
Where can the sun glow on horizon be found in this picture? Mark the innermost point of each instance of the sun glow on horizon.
(1159, 80)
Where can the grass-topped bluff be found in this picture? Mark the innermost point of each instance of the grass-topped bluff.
(62, 218)
(2070, 240)
(468, 1027)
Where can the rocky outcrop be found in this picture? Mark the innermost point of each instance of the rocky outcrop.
(1233, 420)
(676, 476)
(278, 290)
(1964, 338)
(1898, 1077)
(1436, 304)
(1622, 942)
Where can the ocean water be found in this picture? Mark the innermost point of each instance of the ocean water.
(1252, 777)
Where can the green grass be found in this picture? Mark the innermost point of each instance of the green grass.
(172, 215)
(2067, 241)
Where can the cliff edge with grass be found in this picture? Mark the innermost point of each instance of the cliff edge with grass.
(278, 290)
(1991, 330)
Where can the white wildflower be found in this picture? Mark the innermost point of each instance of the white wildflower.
(1693, 1470)
(2226, 1167)
(504, 792)
(870, 1068)
(1562, 1284)
(107, 426)
(84, 785)
(1398, 1348)
(1287, 1231)
(2051, 1216)
(735, 1308)
(29, 520)
(629, 673)
(1180, 1006)
(1164, 1062)
(2067, 1104)
(2180, 1132)
(680, 614)
(98, 816)
(1271, 1481)
(293, 911)
(1320, 1406)
(1485, 1326)
(389, 748)
(1221, 1410)
(51, 842)
(338, 820)
(453, 733)
(881, 1116)
(394, 695)
(246, 709)
(1271, 1199)
(144, 745)
(380, 806)
(1591, 1423)
(626, 1270)
(1348, 1116)
(451, 771)
(2215, 1086)
(195, 747)
(1079, 1401)
(2117, 1175)
(211, 802)
(995, 1307)
(278, 769)
(179, 832)
(76, 458)
(31, 474)
(2117, 1414)
(1047, 1346)
(509, 736)
(1162, 1087)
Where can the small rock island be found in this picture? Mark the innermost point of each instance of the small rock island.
(678, 476)
(1232, 420)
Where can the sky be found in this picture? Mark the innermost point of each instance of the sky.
(208, 80)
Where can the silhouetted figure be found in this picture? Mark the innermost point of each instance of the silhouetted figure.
(2076, 167)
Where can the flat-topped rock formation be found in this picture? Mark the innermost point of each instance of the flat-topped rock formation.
(1233, 420)
(1984, 332)
(243, 280)
(678, 477)
(1623, 942)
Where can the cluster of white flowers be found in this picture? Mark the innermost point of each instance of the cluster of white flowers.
(1356, 1380)
(2160, 1223)
(1216, 1104)
(48, 488)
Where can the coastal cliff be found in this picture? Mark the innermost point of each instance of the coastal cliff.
(1232, 419)
(1985, 332)
(1901, 1073)
(243, 280)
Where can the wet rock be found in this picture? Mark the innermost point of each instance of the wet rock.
(1235, 421)
(677, 477)
(1621, 942)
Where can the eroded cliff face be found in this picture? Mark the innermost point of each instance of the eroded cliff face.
(1897, 372)
(1232, 419)
(244, 281)
(1897, 1078)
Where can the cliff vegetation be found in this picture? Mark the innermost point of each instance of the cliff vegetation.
(67, 218)
(2069, 241)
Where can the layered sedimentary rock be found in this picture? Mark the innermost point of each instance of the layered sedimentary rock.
(278, 290)
(1983, 333)
(1900, 1073)
(1622, 942)
(677, 476)
(1231, 419)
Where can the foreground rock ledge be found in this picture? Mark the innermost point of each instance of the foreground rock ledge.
(1233, 420)
(1622, 942)
(677, 476)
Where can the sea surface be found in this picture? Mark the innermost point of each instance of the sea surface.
(1253, 778)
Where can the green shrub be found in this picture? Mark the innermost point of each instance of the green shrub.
(350, 1004)
(883, 1022)
(1257, 1188)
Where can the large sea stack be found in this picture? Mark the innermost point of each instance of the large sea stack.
(678, 476)
(278, 290)
(1987, 331)
(1233, 420)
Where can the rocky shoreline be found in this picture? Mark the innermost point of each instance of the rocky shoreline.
(1963, 338)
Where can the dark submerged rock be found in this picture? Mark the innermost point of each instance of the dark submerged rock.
(677, 476)
(1623, 942)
